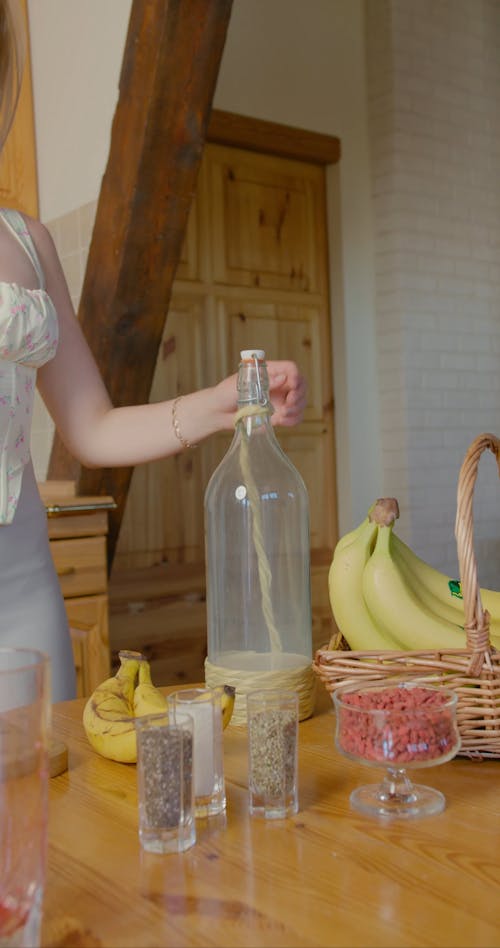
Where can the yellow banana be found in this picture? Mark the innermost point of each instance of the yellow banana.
(147, 698)
(395, 607)
(108, 716)
(442, 606)
(228, 695)
(442, 593)
(349, 608)
(353, 535)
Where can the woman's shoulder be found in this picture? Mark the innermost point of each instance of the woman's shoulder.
(42, 241)
(39, 233)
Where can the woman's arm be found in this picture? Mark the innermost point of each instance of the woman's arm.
(98, 434)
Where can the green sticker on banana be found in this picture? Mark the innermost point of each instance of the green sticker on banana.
(455, 587)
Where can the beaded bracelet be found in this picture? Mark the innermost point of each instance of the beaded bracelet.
(176, 425)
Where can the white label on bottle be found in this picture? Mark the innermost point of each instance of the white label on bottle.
(241, 492)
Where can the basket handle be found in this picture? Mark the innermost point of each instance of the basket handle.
(477, 619)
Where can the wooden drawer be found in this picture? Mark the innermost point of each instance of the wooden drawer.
(78, 527)
(81, 565)
(94, 523)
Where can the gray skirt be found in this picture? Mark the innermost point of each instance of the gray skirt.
(32, 612)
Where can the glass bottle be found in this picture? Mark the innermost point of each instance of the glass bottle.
(258, 557)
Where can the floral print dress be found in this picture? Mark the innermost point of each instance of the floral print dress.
(28, 339)
(32, 613)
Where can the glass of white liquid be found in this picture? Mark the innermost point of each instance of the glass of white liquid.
(204, 707)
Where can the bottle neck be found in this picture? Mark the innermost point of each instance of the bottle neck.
(253, 385)
(254, 407)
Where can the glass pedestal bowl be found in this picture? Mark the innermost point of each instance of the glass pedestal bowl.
(401, 726)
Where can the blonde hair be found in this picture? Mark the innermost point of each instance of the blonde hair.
(12, 54)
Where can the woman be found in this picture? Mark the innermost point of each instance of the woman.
(41, 343)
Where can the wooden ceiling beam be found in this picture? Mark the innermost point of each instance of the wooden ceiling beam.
(169, 71)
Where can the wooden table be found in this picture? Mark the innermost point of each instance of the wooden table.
(326, 877)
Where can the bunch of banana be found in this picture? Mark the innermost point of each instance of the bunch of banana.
(108, 716)
(383, 596)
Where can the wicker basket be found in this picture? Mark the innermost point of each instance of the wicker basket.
(473, 672)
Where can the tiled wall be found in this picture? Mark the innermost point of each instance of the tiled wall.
(71, 234)
(434, 105)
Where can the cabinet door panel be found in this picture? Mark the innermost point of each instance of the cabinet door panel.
(309, 451)
(88, 622)
(266, 220)
(281, 329)
(323, 622)
(163, 517)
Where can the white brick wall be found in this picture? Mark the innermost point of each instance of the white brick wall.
(433, 73)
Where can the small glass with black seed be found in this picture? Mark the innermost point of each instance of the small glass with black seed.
(273, 722)
(165, 783)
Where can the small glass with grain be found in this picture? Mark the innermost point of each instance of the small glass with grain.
(165, 783)
(273, 721)
(205, 708)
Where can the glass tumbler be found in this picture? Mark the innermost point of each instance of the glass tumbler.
(273, 720)
(165, 783)
(204, 706)
(24, 779)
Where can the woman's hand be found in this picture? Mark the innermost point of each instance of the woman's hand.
(287, 393)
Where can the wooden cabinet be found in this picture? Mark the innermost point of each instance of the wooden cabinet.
(253, 271)
(18, 176)
(78, 528)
